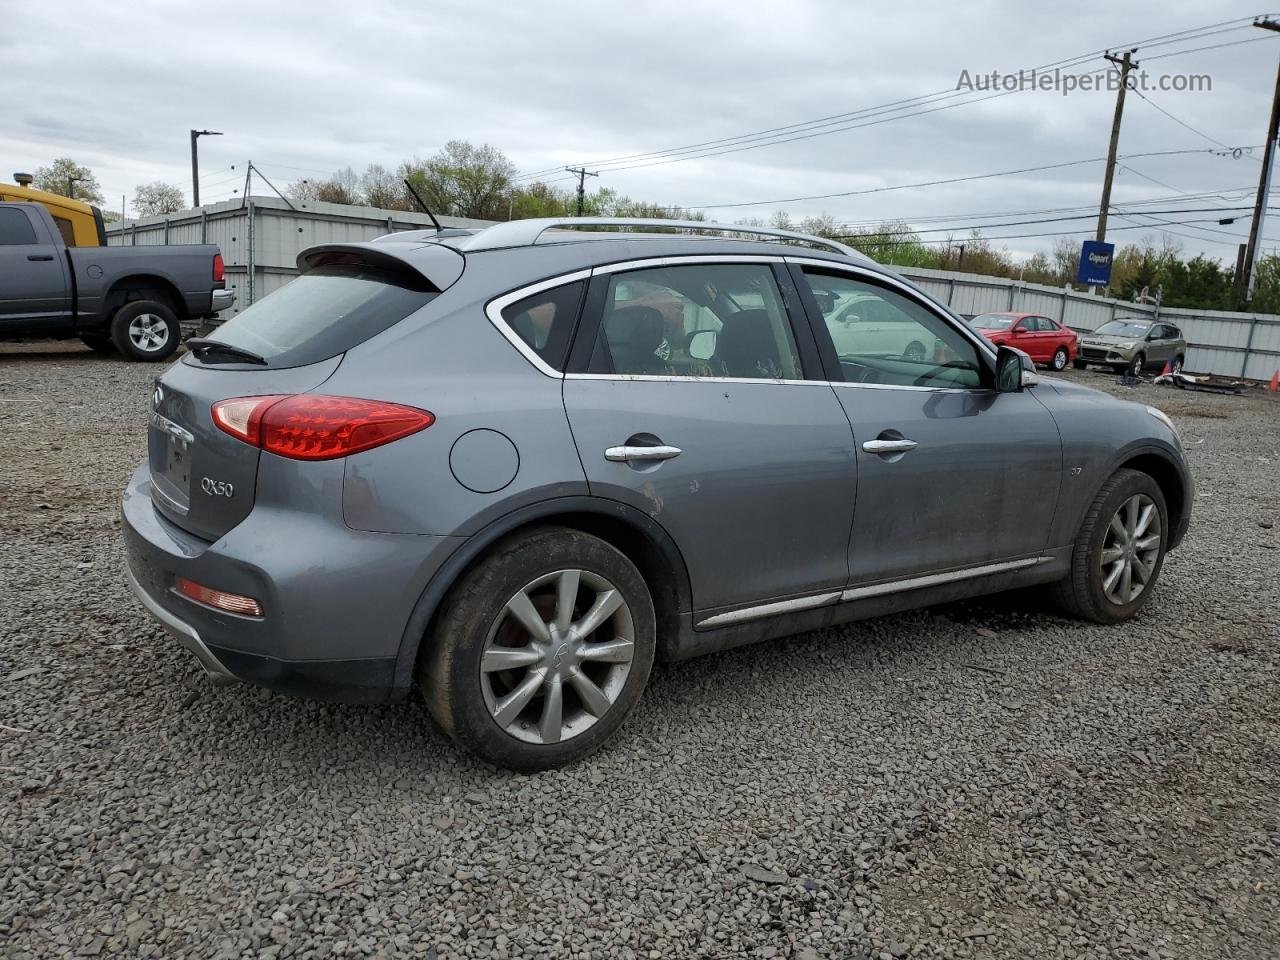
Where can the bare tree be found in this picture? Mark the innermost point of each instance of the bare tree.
(156, 199)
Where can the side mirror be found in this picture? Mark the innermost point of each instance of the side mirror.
(702, 344)
(1014, 370)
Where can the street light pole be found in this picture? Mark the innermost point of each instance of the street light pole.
(195, 166)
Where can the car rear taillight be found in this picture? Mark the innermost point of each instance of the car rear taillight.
(219, 268)
(312, 427)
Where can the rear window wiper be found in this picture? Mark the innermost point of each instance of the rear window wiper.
(204, 349)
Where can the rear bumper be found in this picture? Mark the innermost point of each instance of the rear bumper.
(222, 299)
(336, 601)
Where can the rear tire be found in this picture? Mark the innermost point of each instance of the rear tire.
(98, 342)
(146, 330)
(1176, 366)
(530, 700)
(1059, 361)
(1098, 548)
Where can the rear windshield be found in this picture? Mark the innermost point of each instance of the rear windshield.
(324, 312)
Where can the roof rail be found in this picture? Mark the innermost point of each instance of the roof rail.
(526, 233)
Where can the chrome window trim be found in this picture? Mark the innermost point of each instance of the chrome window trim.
(866, 592)
(493, 310)
(870, 276)
(669, 378)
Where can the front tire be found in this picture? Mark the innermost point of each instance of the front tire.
(1079, 364)
(541, 651)
(1138, 365)
(146, 330)
(1118, 552)
(1059, 361)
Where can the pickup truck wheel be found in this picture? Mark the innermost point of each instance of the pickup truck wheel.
(98, 342)
(146, 330)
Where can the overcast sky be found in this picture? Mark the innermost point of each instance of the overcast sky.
(302, 87)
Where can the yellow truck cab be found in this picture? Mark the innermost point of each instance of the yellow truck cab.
(80, 223)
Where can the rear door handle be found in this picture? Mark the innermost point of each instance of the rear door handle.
(625, 454)
(40, 256)
(889, 446)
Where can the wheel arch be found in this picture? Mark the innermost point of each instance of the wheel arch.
(636, 535)
(137, 287)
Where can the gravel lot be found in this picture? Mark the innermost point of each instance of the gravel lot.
(981, 780)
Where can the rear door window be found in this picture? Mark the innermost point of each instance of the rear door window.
(325, 312)
(15, 228)
(697, 320)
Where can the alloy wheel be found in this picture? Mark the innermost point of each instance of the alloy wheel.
(1135, 368)
(148, 332)
(1060, 359)
(557, 657)
(1130, 550)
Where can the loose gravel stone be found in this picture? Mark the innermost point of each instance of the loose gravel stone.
(1091, 792)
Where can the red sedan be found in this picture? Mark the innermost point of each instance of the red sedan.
(1045, 341)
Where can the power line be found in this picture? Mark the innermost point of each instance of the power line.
(773, 135)
(941, 182)
(934, 218)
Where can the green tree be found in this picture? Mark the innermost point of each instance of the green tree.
(464, 180)
(57, 178)
(156, 199)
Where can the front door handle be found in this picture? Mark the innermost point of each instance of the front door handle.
(889, 446)
(40, 256)
(625, 454)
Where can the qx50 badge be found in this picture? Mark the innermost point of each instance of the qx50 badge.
(216, 488)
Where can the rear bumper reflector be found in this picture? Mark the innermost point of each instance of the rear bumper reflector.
(217, 599)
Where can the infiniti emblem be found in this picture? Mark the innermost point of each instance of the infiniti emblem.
(560, 654)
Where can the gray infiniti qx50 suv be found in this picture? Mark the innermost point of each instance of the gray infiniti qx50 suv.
(513, 466)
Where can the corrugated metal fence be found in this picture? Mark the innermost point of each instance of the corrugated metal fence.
(1227, 344)
(261, 238)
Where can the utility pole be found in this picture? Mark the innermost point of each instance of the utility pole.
(1252, 249)
(195, 166)
(1126, 64)
(71, 186)
(582, 174)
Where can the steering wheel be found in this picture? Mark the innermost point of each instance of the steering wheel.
(924, 378)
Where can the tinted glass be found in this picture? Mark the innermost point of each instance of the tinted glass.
(993, 321)
(545, 321)
(701, 320)
(323, 313)
(1123, 328)
(15, 228)
(66, 229)
(881, 336)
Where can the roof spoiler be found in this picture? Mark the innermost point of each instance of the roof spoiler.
(437, 265)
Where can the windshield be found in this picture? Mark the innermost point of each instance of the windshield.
(993, 321)
(1123, 328)
(324, 312)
